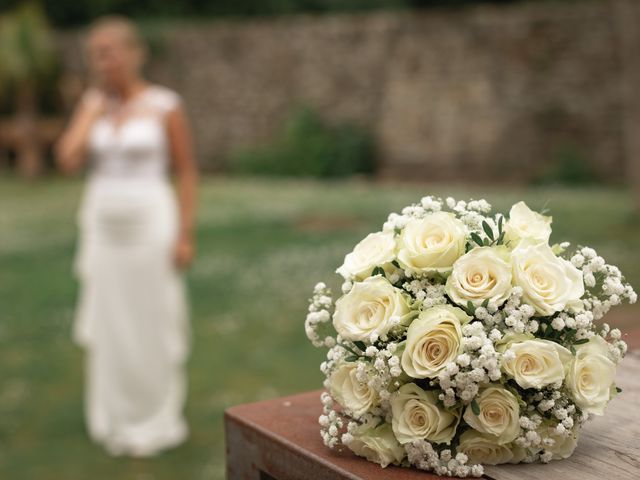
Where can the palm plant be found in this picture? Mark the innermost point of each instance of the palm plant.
(27, 59)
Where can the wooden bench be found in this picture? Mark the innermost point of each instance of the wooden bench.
(279, 440)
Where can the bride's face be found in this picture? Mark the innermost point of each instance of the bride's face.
(114, 58)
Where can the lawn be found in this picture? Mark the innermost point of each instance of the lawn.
(262, 247)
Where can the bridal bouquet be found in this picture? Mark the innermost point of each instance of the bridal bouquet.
(463, 338)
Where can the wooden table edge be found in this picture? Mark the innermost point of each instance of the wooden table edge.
(231, 416)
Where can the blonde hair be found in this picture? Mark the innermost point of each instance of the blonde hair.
(120, 25)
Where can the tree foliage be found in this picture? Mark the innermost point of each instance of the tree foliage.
(26, 53)
(68, 13)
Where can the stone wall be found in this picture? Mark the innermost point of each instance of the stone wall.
(466, 93)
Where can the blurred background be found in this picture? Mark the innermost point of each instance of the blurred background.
(313, 120)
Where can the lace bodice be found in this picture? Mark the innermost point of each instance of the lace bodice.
(134, 146)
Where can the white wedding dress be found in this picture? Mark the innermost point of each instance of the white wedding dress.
(132, 316)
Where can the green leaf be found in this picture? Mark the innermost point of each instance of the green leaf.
(487, 229)
(618, 389)
(395, 264)
(471, 308)
(360, 345)
(476, 238)
(581, 341)
(351, 358)
(475, 408)
(500, 221)
(350, 350)
(572, 349)
(500, 239)
(485, 304)
(378, 271)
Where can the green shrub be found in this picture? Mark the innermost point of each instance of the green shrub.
(311, 148)
(569, 166)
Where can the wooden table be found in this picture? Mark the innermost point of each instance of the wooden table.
(279, 439)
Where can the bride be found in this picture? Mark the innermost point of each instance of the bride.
(135, 239)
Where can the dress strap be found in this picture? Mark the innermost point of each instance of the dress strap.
(163, 99)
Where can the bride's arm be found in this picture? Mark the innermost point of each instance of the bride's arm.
(187, 181)
(71, 149)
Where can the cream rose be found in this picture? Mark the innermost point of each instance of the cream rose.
(525, 223)
(432, 243)
(536, 363)
(482, 448)
(375, 250)
(499, 414)
(356, 397)
(417, 416)
(549, 283)
(377, 445)
(591, 375)
(562, 447)
(369, 309)
(482, 274)
(433, 340)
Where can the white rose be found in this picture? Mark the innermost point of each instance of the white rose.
(591, 375)
(536, 363)
(356, 397)
(519, 453)
(549, 283)
(562, 447)
(432, 243)
(375, 250)
(481, 448)
(433, 340)
(369, 308)
(525, 223)
(418, 416)
(482, 274)
(499, 414)
(377, 445)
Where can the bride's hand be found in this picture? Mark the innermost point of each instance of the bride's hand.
(184, 252)
(94, 102)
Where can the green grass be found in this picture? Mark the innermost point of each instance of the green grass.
(262, 247)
